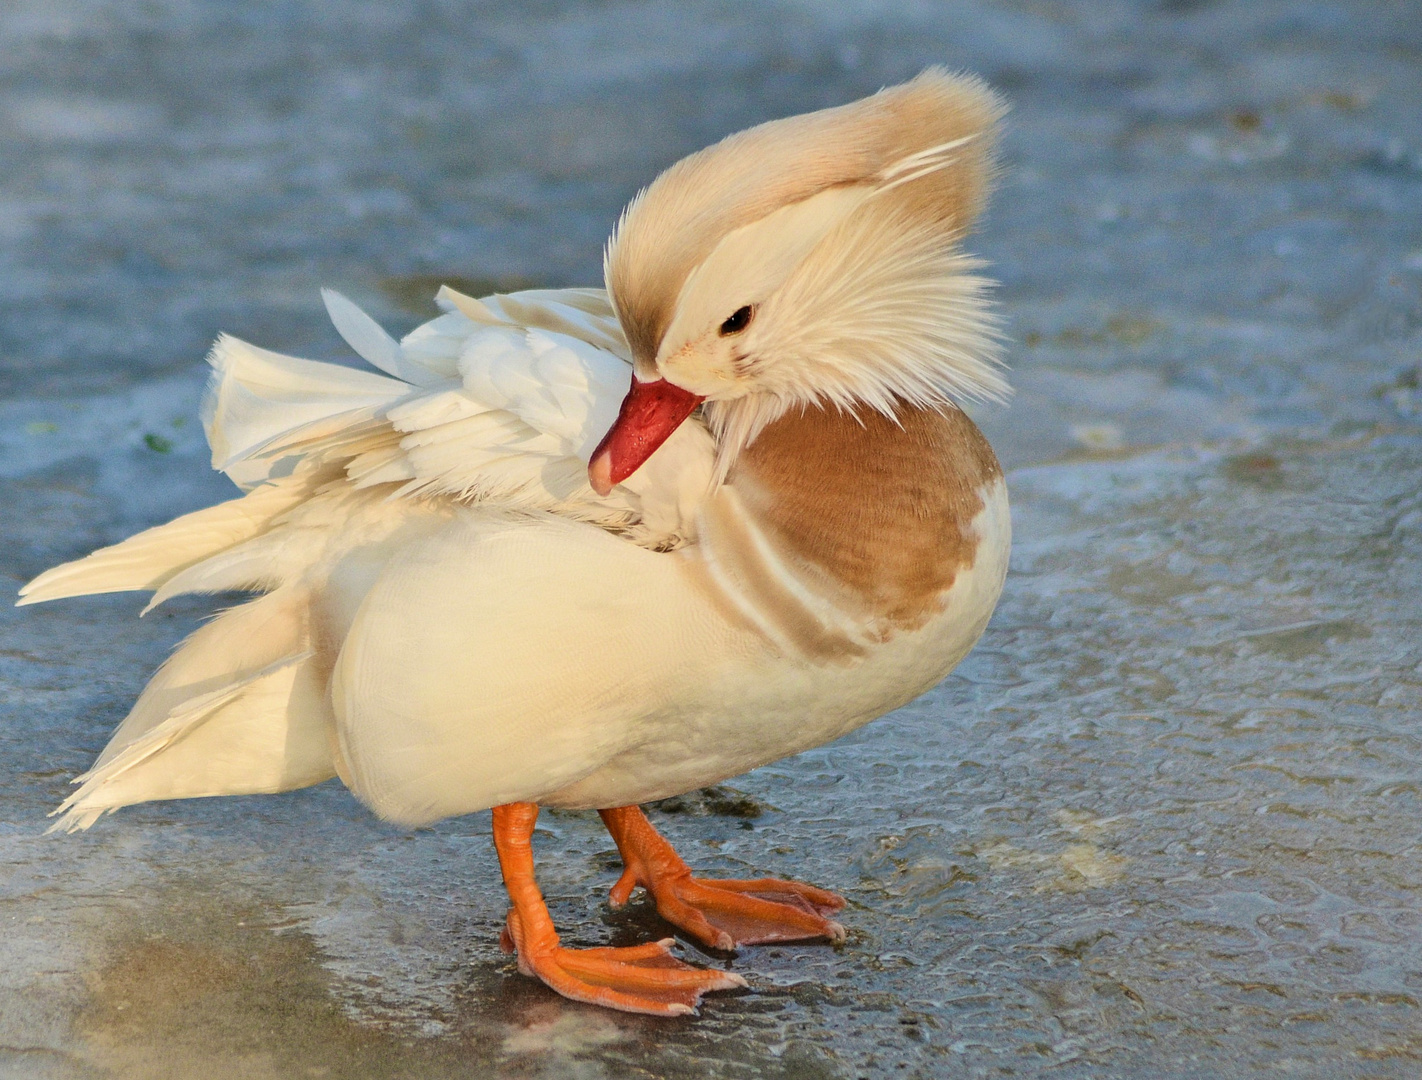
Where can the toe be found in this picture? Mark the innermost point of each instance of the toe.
(692, 920)
(622, 891)
(797, 894)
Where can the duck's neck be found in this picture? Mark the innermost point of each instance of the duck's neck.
(884, 510)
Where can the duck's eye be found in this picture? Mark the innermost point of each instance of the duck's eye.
(738, 321)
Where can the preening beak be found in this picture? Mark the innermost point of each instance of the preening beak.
(650, 412)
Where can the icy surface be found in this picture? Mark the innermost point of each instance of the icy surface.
(1166, 821)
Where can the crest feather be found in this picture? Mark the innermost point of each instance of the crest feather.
(898, 142)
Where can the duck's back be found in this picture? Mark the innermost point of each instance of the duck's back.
(492, 407)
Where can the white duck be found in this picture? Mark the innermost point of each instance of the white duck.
(485, 586)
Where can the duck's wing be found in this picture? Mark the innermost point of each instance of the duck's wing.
(498, 402)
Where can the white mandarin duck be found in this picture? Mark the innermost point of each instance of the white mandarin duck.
(485, 585)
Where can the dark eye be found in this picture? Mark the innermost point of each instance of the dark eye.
(738, 321)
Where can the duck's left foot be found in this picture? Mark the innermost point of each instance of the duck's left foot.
(721, 914)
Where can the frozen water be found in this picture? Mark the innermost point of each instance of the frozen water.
(1166, 821)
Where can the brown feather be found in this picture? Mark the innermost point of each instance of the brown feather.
(883, 509)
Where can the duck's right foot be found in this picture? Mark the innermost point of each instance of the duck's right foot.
(725, 914)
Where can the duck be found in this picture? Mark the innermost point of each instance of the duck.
(591, 548)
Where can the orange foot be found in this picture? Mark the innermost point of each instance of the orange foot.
(642, 979)
(721, 914)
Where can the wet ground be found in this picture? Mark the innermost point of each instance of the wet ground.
(1165, 822)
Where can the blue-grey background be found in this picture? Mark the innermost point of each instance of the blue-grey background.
(1165, 822)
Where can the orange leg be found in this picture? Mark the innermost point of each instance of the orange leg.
(721, 914)
(643, 979)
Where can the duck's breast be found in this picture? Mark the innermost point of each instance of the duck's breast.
(864, 555)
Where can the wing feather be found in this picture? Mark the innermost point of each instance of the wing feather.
(513, 394)
(370, 340)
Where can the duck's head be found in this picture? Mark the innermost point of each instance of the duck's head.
(811, 260)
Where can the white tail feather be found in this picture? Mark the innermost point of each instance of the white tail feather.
(238, 709)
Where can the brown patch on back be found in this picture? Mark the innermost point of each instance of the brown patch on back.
(883, 509)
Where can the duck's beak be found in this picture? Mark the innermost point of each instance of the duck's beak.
(650, 412)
